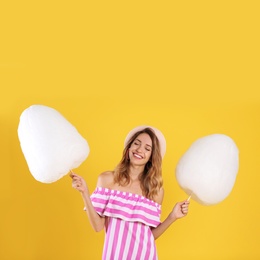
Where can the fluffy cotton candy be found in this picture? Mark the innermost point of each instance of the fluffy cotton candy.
(51, 145)
(209, 168)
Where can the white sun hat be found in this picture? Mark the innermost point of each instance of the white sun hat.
(157, 132)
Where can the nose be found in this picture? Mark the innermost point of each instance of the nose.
(139, 148)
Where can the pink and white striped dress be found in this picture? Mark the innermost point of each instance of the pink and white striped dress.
(130, 218)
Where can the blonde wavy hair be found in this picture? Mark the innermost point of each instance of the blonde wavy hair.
(151, 178)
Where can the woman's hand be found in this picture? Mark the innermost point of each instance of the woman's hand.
(96, 221)
(78, 183)
(180, 209)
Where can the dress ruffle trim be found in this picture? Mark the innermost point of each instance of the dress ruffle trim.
(127, 206)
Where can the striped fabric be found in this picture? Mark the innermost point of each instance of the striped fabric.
(130, 218)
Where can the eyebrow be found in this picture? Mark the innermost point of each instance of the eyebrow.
(141, 141)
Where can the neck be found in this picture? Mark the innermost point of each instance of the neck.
(135, 172)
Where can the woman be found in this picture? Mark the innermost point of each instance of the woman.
(127, 201)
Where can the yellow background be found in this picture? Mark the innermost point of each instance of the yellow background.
(190, 68)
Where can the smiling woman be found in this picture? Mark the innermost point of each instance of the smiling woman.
(142, 153)
(127, 201)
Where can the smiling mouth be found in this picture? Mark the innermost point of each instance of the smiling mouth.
(137, 156)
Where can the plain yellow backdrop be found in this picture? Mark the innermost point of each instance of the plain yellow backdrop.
(189, 68)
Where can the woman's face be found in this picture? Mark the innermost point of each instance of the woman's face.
(141, 149)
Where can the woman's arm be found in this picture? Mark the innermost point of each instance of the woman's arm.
(96, 221)
(180, 210)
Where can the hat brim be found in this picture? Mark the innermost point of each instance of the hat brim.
(157, 132)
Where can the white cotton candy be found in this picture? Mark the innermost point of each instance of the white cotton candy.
(51, 145)
(208, 169)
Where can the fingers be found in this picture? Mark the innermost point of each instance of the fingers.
(75, 179)
(72, 174)
(78, 182)
(185, 207)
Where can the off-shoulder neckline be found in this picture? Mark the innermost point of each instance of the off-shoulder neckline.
(136, 195)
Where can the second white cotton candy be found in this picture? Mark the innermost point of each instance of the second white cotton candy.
(208, 169)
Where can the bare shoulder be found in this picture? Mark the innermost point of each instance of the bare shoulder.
(159, 197)
(105, 179)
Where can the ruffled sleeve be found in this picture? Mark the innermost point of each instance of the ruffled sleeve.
(126, 206)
